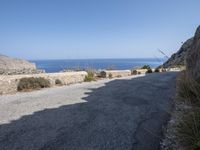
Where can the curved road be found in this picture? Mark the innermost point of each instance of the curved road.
(119, 114)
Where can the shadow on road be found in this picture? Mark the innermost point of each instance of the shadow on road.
(122, 115)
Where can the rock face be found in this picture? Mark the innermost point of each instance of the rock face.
(9, 66)
(193, 57)
(179, 59)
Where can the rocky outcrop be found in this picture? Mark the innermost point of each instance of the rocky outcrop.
(179, 59)
(10, 66)
(193, 57)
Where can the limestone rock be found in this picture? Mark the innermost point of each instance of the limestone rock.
(193, 58)
(11, 66)
(179, 59)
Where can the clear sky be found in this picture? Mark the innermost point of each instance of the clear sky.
(53, 29)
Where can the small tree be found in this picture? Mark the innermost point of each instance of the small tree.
(149, 71)
(157, 70)
(146, 67)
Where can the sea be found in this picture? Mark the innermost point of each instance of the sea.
(57, 65)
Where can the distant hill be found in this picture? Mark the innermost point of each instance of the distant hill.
(10, 65)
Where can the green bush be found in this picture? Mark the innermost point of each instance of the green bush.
(146, 67)
(32, 83)
(149, 71)
(58, 82)
(157, 70)
(89, 77)
(189, 130)
(110, 75)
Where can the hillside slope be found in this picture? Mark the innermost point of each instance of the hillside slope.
(10, 65)
(179, 58)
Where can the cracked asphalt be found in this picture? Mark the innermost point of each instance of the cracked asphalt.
(119, 114)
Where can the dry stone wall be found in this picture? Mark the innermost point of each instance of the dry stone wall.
(115, 73)
(9, 83)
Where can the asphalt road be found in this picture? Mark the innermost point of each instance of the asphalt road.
(123, 114)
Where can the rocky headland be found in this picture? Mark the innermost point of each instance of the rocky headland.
(13, 66)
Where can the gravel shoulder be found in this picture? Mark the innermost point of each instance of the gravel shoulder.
(124, 113)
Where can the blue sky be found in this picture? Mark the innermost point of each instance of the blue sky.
(53, 29)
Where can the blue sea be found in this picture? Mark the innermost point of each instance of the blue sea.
(61, 64)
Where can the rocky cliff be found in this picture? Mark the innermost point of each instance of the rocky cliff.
(10, 66)
(179, 59)
(193, 57)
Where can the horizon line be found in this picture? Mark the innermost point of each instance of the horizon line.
(93, 58)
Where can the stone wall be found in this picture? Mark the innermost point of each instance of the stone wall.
(115, 73)
(139, 71)
(9, 83)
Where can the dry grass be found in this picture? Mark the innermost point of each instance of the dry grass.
(189, 130)
(90, 77)
(188, 89)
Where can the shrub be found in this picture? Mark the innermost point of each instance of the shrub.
(189, 130)
(188, 88)
(134, 72)
(146, 67)
(58, 82)
(149, 71)
(110, 75)
(32, 83)
(119, 76)
(157, 70)
(89, 77)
